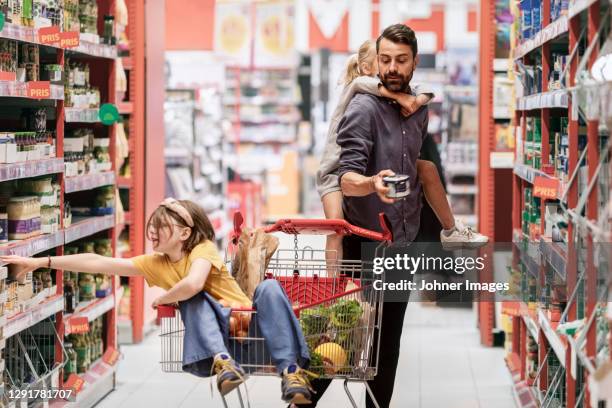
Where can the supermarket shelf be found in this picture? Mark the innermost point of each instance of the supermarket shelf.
(30, 35)
(84, 227)
(501, 112)
(461, 168)
(553, 30)
(532, 265)
(578, 6)
(552, 99)
(125, 108)
(523, 396)
(89, 181)
(93, 308)
(15, 89)
(81, 115)
(553, 338)
(532, 326)
(99, 381)
(29, 169)
(555, 255)
(501, 64)
(457, 189)
(33, 246)
(124, 182)
(529, 174)
(36, 314)
(127, 219)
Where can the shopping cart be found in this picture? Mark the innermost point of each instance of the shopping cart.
(334, 300)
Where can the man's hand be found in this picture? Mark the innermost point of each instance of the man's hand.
(379, 187)
(158, 302)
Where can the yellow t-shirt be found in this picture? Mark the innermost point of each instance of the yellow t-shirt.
(159, 271)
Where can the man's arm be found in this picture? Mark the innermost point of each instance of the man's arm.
(356, 185)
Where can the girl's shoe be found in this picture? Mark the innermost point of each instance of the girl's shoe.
(295, 385)
(229, 373)
(462, 236)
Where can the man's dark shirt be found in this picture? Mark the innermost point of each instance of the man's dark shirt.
(374, 136)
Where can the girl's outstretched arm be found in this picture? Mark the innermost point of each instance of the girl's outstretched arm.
(189, 286)
(87, 263)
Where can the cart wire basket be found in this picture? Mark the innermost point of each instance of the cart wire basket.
(339, 311)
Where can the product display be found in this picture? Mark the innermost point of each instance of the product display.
(45, 84)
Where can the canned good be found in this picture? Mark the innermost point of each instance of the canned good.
(398, 185)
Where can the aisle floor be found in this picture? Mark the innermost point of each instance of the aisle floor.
(441, 365)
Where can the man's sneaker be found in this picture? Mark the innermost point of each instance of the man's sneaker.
(295, 385)
(462, 236)
(229, 374)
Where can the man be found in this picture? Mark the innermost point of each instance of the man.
(376, 140)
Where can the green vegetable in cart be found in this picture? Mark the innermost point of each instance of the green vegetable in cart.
(316, 363)
(314, 321)
(346, 314)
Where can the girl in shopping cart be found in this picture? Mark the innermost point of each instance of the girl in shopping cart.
(188, 266)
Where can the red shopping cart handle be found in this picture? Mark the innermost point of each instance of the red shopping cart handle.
(321, 227)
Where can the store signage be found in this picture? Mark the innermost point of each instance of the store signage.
(75, 383)
(546, 188)
(49, 35)
(78, 325)
(110, 357)
(328, 14)
(108, 114)
(39, 89)
(2, 19)
(8, 76)
(70, 39)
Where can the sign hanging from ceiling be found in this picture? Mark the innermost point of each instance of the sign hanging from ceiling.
(328, 14)
(274, 35)
(233, 32)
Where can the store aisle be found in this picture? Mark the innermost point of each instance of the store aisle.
(442, 365)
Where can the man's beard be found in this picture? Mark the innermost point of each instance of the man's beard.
(396, 82)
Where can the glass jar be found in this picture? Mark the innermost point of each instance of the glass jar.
(71, 361)
(87, 287)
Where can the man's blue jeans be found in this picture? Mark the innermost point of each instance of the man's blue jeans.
(207, 332)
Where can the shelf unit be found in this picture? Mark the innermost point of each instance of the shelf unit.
(45, 310)
(559, 278)
(132, 185)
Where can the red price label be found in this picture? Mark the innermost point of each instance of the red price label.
(546, 188)
(39, 89)
(70, 39)
(75, 383)
(8, 76)
(78, 325)
(111, 355)
(49, 35)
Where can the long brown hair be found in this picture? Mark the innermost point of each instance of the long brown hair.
(202, 229)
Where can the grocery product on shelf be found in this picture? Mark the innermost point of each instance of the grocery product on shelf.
(78, 91)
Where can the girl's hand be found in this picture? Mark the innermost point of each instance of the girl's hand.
(408, 103)
(22, 266)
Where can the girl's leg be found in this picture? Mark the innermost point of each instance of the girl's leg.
(332, 206)
(434, 193)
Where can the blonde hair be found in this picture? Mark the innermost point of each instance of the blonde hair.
(353, 65)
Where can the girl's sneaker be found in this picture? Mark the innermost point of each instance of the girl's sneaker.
(229, 373)
(295, 385)
(462, 236)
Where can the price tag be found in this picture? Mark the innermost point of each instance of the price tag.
(545, 188)
(49, 35)
(75, 383)
(110, 357)
(70, 39)
(39, 89)
(78, 325)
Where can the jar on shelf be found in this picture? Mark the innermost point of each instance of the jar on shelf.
(71, 361)
(87, 287)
